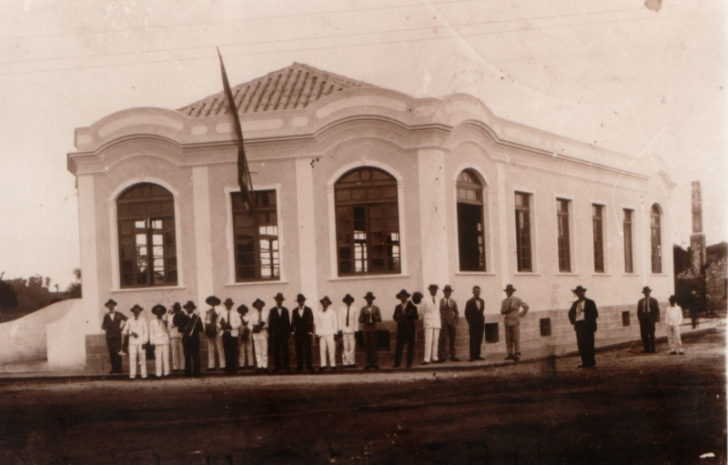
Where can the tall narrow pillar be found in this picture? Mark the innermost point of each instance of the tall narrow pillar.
(697, 238)
(203, 235)
(433, 218)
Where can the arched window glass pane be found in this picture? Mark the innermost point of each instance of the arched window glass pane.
(471, 227)
(655, 240)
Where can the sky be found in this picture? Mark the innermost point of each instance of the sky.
(620, 75)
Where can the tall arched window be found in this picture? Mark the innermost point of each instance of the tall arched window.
(147, 243)
(655, 239)
(367, 222)
(471, 227)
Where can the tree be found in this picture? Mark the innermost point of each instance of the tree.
(8, 296)
(74, 289)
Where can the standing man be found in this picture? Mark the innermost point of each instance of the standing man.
(245, 346)
(474, 309)
(213, 334)
(138, 332)
(348, 325)
(405, 314)
(191, 327)
(302, 331)
(175, 337)
(279, 325)
(583, 315)
(113, 324)
(327, 325)
(431, 314)
(368, 318)
(259, 321)
(511, 309)
(648, 312)
(673, 320)
(230, 328)
(449, 317)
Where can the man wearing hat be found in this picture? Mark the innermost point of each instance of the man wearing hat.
(279, 325)
(245, 343)
(474, 309)
(159, 338)
(302, 320)
(191, 326)
(368, 318)
(449, 316)
(405, 314)
(230, 328)
(648, 312)
(113, 324)
(511, 310)
(348, 326)
(259, 330)
(213, 334)
(327, 325)
(138, 331)
(583, 315)
(673, 320)
(173, 319)
(430, 312)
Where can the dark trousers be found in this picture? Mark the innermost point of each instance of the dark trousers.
(647, 332)
(585, 342)
(405, 335)
(192, 356)
(476, 339)
(230, 347)
(280, 353)
(370, 342)
(114, 346)
(303, 351)
(446, 333)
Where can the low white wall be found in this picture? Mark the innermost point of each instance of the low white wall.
(24, 339)
(66, 342)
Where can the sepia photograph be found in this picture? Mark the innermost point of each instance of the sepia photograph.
(363, 232)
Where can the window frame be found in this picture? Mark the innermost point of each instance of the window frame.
(599, 254)
(257, 254)
(656, 265)
(480, 200)
(567, 253)
(628, 239)
(520, 259)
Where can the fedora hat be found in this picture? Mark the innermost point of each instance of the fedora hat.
(578, 288)
(242, 309)
(136, 308)
(347, 299)
(433, 286)
(509, 287)
(326, 300)
(258, 303)
(447, 288)
(369, 295)
(279, 296)
(110, 302)
(159, 310)
(190, 305)
(403, 293)
(228, 301)
(176, 306)
(300, 297)
(646, 289)
(212, 300)
(672, 298)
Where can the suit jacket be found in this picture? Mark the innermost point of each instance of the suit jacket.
(113, 327)
(190, 327)
(649, 314)
(405, 317)
(302, 324)
(279, 324)
(474, 316)
(590, 313)
(375, 316)
(449, 315)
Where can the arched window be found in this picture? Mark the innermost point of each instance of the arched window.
(367, 222)
(655, 239)
(147, 243)
(471, 234)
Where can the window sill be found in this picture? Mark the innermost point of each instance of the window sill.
(368, 276)
(659, 274)
(633, 275)
(475, 273)
(254, 283)
(526, 273)
(571, 273)
(148, 289)
(601, 274)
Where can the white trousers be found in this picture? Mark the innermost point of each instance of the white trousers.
(137, 354)
(326, 344)
(261, 349)
(178, 354)
(673, 337)
(347, 355)
(432, 338)
(161, 359)
(245, 349)
(215, 345)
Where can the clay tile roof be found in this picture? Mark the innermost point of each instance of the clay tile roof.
(296, 86)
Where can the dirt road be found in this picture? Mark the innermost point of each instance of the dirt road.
(633, 408)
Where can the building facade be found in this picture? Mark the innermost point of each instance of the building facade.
(364, 189)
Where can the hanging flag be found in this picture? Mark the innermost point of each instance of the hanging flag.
(244, 180)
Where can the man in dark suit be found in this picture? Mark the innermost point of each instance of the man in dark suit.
(583, 315)
(648, 312)
(280, 332)
(474, 309)
(449, 316)
(113, 324)
(302, 331)
(191, 327)
(368, 318)
(405, 314)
